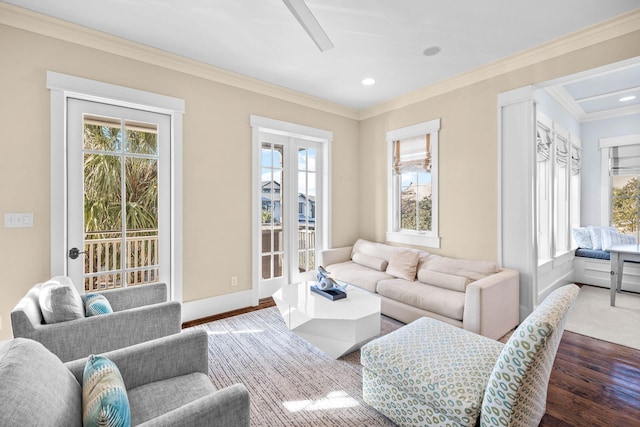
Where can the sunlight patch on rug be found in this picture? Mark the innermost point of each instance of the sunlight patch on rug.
(334, 400)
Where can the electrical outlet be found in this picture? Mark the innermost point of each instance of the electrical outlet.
(0, 322)
(234, 280)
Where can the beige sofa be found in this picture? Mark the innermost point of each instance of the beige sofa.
(478, 296)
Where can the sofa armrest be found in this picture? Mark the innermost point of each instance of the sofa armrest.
(336, 255)
(92, 335)
(229, 407)
(156, 360)
(136, 296)
(492, 304)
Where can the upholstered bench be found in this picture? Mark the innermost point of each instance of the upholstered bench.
(432, 373)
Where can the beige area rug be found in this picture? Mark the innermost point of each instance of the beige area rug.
(291, 382)
(593, 316)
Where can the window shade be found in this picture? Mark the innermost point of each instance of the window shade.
(575, 160)
(624, 160)
(562, 151)
(412, 154)
(543, 144)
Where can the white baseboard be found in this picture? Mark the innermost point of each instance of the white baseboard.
(199, 309)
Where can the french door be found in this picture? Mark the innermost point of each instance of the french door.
(291, 209)
(118, 195)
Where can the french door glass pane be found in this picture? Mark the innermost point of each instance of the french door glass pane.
(307, 186)
(119, 185)
(272, 215)
(142, 138)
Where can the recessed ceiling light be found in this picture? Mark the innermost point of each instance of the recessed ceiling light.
(627, 98)
(368, 81)
(431, 51)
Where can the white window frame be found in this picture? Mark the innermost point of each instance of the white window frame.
(62, 87)
(430, 239)
(605, 179)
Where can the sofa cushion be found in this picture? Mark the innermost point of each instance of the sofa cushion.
(36, 388)
(427, 297)
(96, 304)
(403, 263)
(370, 261)
(473, 269)
(375, 249)
(104, 396)
(358, 275)
(60, 301)
(157, 398)
(443, 280)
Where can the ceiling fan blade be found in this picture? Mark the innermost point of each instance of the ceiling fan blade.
(310, 24)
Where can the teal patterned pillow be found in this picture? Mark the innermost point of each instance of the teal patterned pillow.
(104, 397)
(96, 304)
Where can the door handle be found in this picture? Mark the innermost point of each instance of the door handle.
(74, 253)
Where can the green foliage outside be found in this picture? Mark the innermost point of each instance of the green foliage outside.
(625, 207)
(408, 214)
(103, 184)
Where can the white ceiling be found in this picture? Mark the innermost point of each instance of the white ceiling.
(382, 39)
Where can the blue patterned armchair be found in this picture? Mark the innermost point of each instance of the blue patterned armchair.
(429, 373)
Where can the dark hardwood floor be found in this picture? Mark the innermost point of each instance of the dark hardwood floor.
(593, 383)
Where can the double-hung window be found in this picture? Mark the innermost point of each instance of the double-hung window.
(624, 170)
(413, 185)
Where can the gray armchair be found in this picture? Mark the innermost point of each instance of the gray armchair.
(140, 313)
(166, 380)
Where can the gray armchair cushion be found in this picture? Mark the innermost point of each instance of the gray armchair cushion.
(140, 314)
(168, 385)
(36, 389)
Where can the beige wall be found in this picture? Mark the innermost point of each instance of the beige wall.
(468, 143)
(217, 162)
(217, 158)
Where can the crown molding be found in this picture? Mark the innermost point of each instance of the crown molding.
(604, 31)
(34, 22)
(27, 20)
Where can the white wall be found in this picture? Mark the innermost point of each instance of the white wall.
(592, 132)
(556, 112)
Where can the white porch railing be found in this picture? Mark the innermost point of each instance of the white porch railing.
(103, 260)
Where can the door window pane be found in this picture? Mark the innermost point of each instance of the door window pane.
(142, 138)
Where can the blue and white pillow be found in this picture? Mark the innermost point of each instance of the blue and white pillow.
(582, 237)
(104, 397)
(612, 237)
(96, 304)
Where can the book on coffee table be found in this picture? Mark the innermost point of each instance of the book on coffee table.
(332, 294)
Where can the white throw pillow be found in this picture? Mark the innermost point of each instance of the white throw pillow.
(443, 280)
(370, 261)
(582, 237)
(595, 232)
(403, 263)
(60, 301)
(612, 237)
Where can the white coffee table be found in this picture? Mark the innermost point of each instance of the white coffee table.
(336, 327)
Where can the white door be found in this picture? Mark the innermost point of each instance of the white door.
(118, 187)
(291, 210)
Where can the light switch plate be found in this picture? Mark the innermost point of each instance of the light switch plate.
(18, 220)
